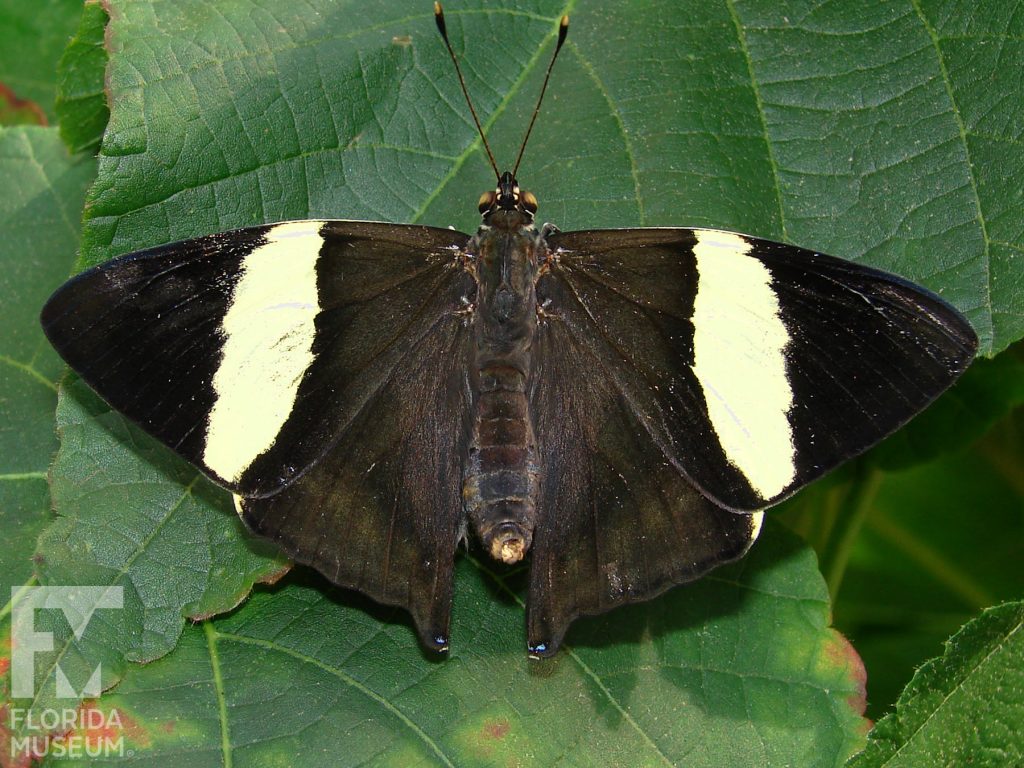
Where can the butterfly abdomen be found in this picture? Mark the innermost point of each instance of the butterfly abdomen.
(500, 487)
(500, 478)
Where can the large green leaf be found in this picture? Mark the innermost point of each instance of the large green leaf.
(40, 207)
(81, 98)
(855, 128)
(301, 674)
(965, 708)
(32, 36)
(41, 200)
(849, 127)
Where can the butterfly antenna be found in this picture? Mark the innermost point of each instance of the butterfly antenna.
(563, 30)
(439, 18)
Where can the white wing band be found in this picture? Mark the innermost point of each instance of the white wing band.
(739, 359)
(268, 334)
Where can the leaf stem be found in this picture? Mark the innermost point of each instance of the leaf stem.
(218, 684)
(853, 510)
(16, 596)
(934, 564)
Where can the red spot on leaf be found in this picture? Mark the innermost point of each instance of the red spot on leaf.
(496, 729)
(839, 651)
(275, 576)
(22, 754)
(99, 727)
(18, 110)
(5, 664)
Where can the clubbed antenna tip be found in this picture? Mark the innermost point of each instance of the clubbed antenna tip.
(439, 18)
(563, 31)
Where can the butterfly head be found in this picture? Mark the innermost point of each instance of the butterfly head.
(508, 197)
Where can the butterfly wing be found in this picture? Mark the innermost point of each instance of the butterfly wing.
(310, 367)
(382, 511)
(756, 366)
(616, 522)
(682, 373)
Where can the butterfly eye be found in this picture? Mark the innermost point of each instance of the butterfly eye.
(486, 201)
(529, 201)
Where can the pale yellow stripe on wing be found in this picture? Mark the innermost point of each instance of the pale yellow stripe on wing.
(268, 334)
(739, 359)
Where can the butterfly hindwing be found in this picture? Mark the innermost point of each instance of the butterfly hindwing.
(754, 366)
(616, 522)
(381, 511)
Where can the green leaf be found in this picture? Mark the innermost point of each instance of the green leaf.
(34, 35)
(40, 206)
(851, 128)
(965, 708)
(938, 544)
(303, 671)
(81, 98)
(134, 520)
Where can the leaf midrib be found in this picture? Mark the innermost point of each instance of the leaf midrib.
(341, 675)
(987, 336)
(965, 678)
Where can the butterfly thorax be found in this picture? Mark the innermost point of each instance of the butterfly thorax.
(501, 472)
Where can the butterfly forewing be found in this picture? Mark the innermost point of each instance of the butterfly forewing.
(754, 366)
(248, 352)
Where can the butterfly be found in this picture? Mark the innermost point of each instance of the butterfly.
(616, 406)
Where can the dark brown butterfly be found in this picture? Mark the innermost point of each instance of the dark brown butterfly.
(618, 405)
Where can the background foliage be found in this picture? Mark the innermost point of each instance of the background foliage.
(887, 133)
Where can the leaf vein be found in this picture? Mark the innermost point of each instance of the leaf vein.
(122, 571)
(967, 674)
(616, 114)
(348, 680)
(218, 686)
(947, 84)
(772, 161)
(566, 648)
(28, 370)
